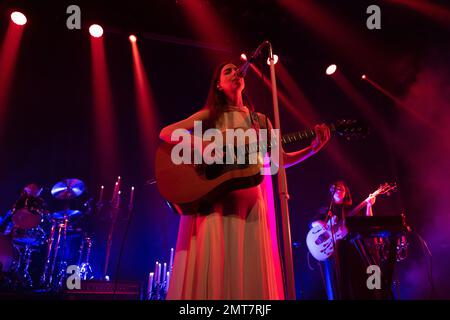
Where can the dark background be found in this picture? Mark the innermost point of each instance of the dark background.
(49, 127)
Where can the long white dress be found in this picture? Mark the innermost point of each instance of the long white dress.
(231, 253)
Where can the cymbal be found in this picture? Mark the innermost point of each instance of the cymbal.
(59, 215)
(68, 189)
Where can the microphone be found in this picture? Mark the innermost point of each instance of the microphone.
(333, 188)
(242, 71)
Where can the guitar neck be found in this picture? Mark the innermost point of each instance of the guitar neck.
(382, 190)
(301, 135)
(357, 209)
(285, 139)
(346, 128)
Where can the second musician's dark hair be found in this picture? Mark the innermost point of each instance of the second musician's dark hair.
(348, 197)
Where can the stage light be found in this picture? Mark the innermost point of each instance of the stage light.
(96, 31)
(243, 57)
(363, 76)
(18, 18)
(132, 38)
(331, 69)
(275, 59)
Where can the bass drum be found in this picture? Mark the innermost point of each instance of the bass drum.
(6, 253)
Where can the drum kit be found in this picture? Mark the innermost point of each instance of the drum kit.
(35, 250)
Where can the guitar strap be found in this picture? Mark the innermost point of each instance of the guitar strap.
(256, 124)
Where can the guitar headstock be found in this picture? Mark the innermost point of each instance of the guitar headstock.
(350, 129)
(385, 188)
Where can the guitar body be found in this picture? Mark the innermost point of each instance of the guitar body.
(191, 188)
(319, 239)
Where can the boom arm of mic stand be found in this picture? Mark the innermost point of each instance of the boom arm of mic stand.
(243, 69)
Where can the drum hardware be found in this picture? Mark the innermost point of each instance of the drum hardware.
(56, 260)
(402, 248)
(23, 265)
(60, 245)
(402, 242)
(85, 268)
(61, 215)
(33, 228)
(27, 234)
(26, 242)
(48, 256)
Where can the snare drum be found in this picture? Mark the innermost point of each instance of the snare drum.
(33, 237)
(28, 212)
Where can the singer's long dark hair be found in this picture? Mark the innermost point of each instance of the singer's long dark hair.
(216, 102)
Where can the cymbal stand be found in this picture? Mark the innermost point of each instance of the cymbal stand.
(23, 265)
(49, 252)
(63, 258)
(85, 268)
(62, 233)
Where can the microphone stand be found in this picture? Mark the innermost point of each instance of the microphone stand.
(330, 207)
(283, 191)
(113, 215)
(337, 265)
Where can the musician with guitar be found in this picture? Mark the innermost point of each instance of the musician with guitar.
(343, 270)
(227, 246)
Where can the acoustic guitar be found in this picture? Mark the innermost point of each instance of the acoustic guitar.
(190, 187)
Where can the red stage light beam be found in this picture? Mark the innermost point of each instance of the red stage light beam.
(308, 118)
(8, 58)
(434, 11)
(207, 23)
(400, 104)
(146, 108)
(349, 41)
(105, 134)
